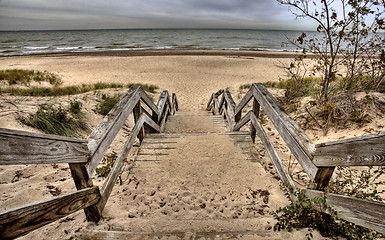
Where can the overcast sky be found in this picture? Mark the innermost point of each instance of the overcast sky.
(102, 14)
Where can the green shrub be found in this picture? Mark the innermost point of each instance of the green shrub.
(57, 120)
(107, 103)
(109, 161)
(301, 214)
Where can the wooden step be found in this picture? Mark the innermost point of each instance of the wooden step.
(164, 228)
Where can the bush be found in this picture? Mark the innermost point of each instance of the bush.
(107, 103)
(57, 120)
(109, 161)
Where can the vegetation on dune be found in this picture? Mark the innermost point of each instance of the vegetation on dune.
(25, 77)
(107, 103)
(349, 57)
(71, 90)
(108, 162)
(62, 121)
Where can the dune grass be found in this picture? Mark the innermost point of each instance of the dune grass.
(71, 90)
(25, 77)
(58, 120)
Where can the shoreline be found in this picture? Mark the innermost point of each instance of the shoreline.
(168, 52)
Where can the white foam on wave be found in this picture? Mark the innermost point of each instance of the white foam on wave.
(36, 48)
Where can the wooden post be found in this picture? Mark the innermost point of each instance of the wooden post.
(137, 113)
(82, 180)
(256, 108)
(322, 177)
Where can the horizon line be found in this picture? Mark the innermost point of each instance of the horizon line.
(171, 28)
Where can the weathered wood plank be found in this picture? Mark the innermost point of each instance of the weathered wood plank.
(137, 113)
(242, 122)
(175, 105)
(162, 102)
(256, 108)
(230, 102)
(227, 117)
(22, 220)
(297, 141)
(103, 135)
(221, 105)
(147, 100)
(365, 213)
(208, 108)
(82, 181)
(367, 150)
(245, 100)
(281, 169)
(20, 147)
(163, 121)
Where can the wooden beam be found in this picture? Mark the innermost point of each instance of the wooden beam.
(230, 103)
(242, 122)
(20, 147)
(175, 105)
(221, 104)
(365, 213)
(281, 169)
(82, 181)
(208, 108)
(163, 98)
(163, 121)
(103, 135)
(228, 119)
(245, 100)
(137, 113)
(147, 100)
(22, 220)
(367, 150)
(296, 139)
(256, 108)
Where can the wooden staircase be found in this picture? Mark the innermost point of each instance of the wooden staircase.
(196, 180)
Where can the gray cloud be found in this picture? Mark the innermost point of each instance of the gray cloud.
(81, 14)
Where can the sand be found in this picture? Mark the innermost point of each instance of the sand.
(193, 76)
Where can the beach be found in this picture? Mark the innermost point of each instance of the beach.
(192, 77)
(192, 74)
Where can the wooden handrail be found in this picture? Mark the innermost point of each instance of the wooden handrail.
(367, 150)
(318, 160)
(370, 214)
(20, 147)
(83, 157)
(115, 171)
(22, 220)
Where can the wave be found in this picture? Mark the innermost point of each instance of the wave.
(36, 48)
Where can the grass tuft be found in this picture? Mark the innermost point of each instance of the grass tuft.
(57, 120)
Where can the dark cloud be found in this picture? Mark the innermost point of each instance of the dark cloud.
(80, 14)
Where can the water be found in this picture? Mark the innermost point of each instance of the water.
(42, 42)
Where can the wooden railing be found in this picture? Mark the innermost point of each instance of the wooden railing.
(83, 156)
(317, 160)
